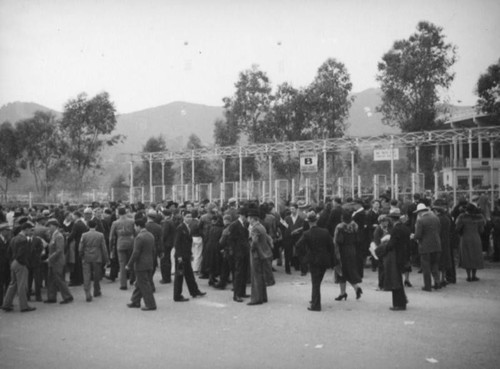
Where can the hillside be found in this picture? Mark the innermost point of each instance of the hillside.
(16, 111)
(175, 121)
(363, 119)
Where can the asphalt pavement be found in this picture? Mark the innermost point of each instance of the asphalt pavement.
(455, 327)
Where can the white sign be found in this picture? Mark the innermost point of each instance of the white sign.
(385, 154)
(308, 163)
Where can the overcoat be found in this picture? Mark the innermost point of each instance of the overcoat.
(470, 227)
(427, 233)
(395, 256)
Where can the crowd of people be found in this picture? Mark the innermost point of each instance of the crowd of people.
(58, 247)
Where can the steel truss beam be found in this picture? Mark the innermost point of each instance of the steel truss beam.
(347, 143)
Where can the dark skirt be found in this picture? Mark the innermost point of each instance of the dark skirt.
(349, 261)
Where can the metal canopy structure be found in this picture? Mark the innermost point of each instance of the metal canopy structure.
(347, 143)
(455, 137)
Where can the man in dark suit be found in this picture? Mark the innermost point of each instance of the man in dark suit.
(260, 253)
(167, 244)
(142, 263)
(19, 269)
(183, 255)
(35, 246)
(41, 231)
(79, 228)
(239, 244)
(412, 220)
(319, 254)
(155, 229)
(295, 224)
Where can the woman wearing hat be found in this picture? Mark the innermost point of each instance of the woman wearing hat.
(470, 225)
(440, 209)
(345, 239)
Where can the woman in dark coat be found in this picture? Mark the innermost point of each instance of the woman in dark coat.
(445, 256)
(345, 241)
(470, 225)
(213, 249)
(393, 250)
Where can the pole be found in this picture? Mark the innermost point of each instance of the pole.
(436, 175)
(192, 176)
(163, 180)
(241, 175)
(454, 174)
(392, 167)
(352, 174)
(470, 165)
(453, 170)
(131, 197)
(325, 167)
(270, 176)
(455, 152)
(396, 185)
(223, 184)
(151, 178)
(182, 180)
(417, 159)
(492, 181)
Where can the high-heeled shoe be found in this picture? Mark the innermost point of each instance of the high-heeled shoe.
(359, 292)
(341, 297)
(408, 284)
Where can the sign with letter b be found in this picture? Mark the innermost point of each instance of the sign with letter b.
(308, 163)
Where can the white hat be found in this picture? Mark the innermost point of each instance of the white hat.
(87, 211)
(421, 207)
(231, 200)
(152, 212)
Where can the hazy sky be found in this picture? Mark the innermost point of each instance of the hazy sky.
(147, 53)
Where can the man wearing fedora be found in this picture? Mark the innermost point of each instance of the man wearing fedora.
(79, 228)
(260, 252)
(238, 244)
(294, 226)
(142, 261)
(36, 249)
(56, 261)
(19, 269)
(319, 248)
(167, 244)
(427, 234)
